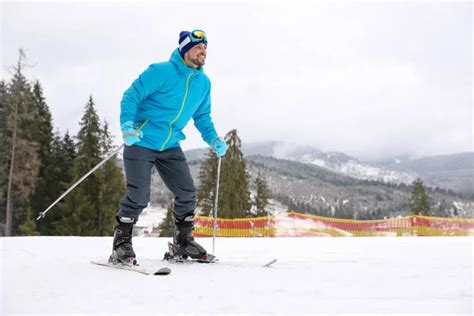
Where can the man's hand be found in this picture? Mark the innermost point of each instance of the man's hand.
(220, 147)
(130, 135)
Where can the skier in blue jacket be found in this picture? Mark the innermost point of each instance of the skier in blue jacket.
(166, 95)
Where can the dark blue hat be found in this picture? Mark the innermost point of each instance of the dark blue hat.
(188, 40)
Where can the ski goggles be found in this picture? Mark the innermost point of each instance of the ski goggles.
(196, 36)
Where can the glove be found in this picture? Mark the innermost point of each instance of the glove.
(130, 135)
(219, 146)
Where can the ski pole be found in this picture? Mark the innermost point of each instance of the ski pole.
(43, 214)
(215, 207)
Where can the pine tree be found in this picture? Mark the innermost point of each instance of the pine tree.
(112, 186)
(80, 207)
(234, 194)
(262, 196)
(90, 209)
(234, 198)
(207, 183)
(167, 226)
(419, 202)
(63, 154)
(29, 227)
(58, 177)
(4, 154)
(68, 152)
(42, 128)
(42, 133)
(23, 162)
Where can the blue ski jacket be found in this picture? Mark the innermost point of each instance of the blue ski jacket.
(168, 95)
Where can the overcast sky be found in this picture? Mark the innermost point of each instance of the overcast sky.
(371, 79)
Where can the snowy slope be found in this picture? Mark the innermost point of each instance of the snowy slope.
(349, 166)
(52, 275)
(335, 161)
(149, 220)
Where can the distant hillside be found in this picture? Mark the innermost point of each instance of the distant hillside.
(317, 190)
(310, 188)
(450, 172)
(454, 172)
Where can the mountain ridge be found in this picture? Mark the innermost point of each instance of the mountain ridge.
(310, 188)
(451, 172)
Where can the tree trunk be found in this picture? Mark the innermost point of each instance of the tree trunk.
(8, 224)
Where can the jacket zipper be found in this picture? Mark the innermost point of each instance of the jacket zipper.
(180, 111)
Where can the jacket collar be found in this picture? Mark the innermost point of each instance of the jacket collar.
(178, 61)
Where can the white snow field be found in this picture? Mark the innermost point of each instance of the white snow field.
(353, 276)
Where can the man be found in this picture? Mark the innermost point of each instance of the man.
(154, 110)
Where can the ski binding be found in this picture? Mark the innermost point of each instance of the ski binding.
(172, 256)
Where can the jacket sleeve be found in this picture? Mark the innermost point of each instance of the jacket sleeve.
(203, 121)
(147, 83)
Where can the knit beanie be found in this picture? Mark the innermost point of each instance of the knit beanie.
(188, 40)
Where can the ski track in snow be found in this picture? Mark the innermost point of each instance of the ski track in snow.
(376, 275)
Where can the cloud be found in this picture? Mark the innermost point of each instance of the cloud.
(367, 78)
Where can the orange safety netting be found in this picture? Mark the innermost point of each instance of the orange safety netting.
(293, 224)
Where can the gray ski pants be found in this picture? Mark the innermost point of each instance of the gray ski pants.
(173, 168)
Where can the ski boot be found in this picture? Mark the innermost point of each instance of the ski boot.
(122, 245)
(184, 246)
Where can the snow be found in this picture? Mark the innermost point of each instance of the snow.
(358, 170)
(363, 171)
(275, 207)
(376, 275)
(319, 162)
(295, 227)
(149, 220)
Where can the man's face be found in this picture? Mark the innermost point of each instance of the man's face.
(197, 55)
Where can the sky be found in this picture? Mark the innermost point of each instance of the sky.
(372, 79)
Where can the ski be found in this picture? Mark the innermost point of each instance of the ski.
(269, 263)
(172, 256)
(133, 268)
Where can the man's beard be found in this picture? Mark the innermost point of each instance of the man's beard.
(197, 61)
